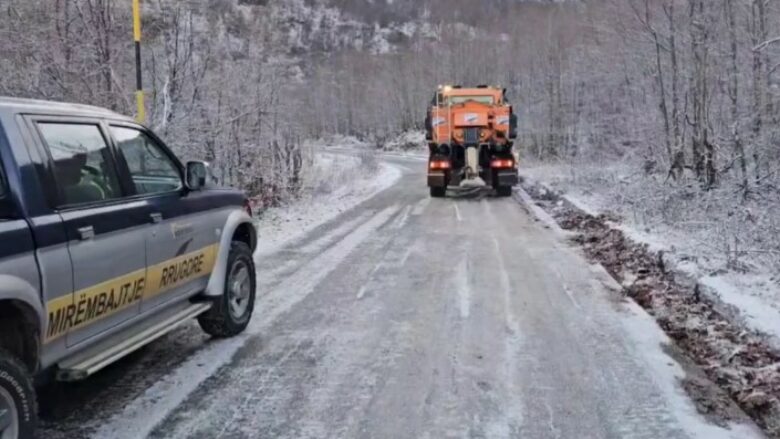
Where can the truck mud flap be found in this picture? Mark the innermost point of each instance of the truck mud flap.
(437, 179)
(506, 178)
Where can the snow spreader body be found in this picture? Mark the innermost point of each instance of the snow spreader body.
(470, 134)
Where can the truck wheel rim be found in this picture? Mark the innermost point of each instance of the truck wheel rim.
(239, 288)
(9, 416)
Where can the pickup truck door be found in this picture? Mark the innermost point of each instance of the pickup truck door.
(105, 231)
(182, 245)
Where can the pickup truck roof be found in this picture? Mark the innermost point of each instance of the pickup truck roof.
(19, 105)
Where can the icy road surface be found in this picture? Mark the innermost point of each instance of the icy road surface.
(411, 317)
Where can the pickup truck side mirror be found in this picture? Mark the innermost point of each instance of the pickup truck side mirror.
(197, 175)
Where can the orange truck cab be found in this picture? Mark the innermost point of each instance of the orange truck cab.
(470, 134)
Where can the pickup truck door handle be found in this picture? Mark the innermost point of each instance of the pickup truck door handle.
(87, 232)
(156, 217)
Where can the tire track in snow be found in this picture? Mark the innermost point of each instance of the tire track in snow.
(463, 288)
(402, 219)
(298, 257)
(420, 207)
(333, 235)
(513, 407)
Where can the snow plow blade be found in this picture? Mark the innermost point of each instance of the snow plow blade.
(475, 182)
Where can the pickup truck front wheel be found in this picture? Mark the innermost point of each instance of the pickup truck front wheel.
(231, 312)
(18, 409)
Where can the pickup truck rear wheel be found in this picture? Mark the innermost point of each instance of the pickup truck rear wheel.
(18, 407)
(438, 192)
(231, 312)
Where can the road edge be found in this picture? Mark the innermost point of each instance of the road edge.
(686, 380)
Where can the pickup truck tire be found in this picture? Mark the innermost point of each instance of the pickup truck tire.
(231, 312)
(438, 192)
(504, 191)
(18, 406)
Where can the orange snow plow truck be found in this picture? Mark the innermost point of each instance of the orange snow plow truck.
(470, 134)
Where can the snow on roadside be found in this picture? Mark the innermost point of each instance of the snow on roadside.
(340, 185)
(753, 297)
(668, 373)
(409, 145)
(337, 140)
(413, 140)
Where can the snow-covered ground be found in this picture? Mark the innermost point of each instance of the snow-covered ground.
(406, 141)
(412, 142)
(702, 248)
(339, 182)
(336, 140)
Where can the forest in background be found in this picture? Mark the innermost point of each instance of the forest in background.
(685, 90)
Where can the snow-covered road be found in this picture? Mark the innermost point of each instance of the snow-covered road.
(411, 317)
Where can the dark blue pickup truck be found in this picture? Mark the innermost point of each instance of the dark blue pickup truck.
(107, 242)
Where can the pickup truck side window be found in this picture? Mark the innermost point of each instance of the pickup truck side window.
(151, 169)
(83, 167)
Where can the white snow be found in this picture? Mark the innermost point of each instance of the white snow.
(463, 288)
(402, 219)
(744, 292)
(755, 296)
(457, 213)
(408, 140)
(420, 206)
(337, 141)
(278, 226)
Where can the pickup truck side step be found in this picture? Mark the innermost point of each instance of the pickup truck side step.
(82, 368)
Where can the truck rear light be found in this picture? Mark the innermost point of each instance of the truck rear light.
(248, 207)
(502, 163)
(439, 165)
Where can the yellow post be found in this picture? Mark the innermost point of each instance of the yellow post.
(139, 92)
